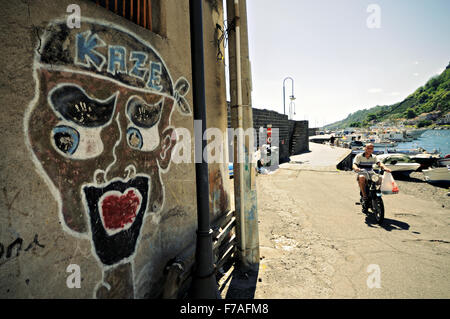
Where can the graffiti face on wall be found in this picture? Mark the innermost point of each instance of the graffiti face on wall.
(99, 130)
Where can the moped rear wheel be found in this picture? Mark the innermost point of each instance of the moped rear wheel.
(378, 209)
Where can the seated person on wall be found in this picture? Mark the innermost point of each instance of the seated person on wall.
(365, 161)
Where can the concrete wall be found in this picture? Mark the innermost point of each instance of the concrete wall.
(313, 131)
(300, 138)
(289, 131)
(86, 163)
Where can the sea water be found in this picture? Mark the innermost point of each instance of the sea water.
(430, 140)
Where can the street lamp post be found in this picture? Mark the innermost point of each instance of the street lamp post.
(284, 90)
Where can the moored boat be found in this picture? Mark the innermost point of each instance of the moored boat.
(385, 144)
(425, 160)
(444, 161)
(437, 174)
(412, 151)
(398, 162)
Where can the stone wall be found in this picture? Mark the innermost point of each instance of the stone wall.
(299, 138)
(290, 131)
(313, 131)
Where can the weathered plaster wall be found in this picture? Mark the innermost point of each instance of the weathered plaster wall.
(216, 104)
(85, 141)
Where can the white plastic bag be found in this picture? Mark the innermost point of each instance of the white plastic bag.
(389, 186)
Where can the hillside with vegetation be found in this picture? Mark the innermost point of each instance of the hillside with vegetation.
(427, 105)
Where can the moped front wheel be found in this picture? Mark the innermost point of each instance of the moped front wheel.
(378, 209)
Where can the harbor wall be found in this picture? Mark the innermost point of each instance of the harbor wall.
(292, 135)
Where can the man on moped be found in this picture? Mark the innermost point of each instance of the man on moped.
(363, 166)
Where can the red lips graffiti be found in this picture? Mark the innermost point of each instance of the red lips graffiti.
(119, 211)
(116, 212)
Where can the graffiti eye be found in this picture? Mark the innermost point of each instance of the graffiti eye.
(74, 105)
(134, 138)
(142, 114)
(66, 139)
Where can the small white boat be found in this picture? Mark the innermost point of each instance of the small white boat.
(356, 145)
(444, 161)
(384, 143)
(398, 162)
(437, 174)
(425, 160)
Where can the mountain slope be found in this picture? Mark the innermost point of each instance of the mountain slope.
(434, 97)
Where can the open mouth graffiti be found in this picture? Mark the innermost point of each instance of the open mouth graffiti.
(116, 212)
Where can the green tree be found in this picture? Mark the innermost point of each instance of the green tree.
(424, 123)
(423, 97)
(433, 83)
(410, 114)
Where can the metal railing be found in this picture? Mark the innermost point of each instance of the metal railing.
(179, 271)
(141, 12)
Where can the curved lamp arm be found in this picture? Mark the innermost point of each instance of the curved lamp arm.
(291, 97)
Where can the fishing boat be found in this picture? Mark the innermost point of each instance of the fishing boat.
(379, 142)
(385, 144)
(425, 160)
(437, 174)
(397, 136)
(398, 162)
(412, 151)
(356, 145)
(444, 161)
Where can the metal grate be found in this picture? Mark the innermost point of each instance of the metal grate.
(142, 12)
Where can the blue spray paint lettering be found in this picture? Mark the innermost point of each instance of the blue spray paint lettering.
(85, 45)
(155, 76)
(116, 56)
(138, 69)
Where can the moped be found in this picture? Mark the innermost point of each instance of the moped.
(374, 202)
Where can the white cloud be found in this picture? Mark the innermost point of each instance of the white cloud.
(416, 62)
(394, 93)
(416, 74)
(375, 90)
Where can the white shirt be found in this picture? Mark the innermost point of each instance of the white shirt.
(365, 163)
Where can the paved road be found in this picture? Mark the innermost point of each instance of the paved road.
(321, 157)
(316, 243)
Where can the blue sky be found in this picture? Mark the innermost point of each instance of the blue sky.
(339, 64)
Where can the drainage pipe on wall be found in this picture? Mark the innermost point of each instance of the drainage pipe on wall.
(204, 285)
(241, 141)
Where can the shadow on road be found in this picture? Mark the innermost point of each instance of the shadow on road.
(388, 224)
(242, 282)
(407, 178)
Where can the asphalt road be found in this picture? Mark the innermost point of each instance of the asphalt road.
(316, 243)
